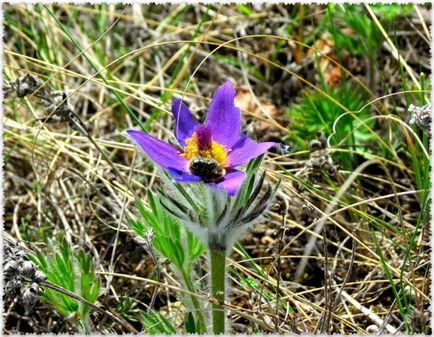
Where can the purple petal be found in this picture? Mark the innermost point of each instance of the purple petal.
(185, 123)
(242, 141)
(162, 153)
(223, 116)
(245, 149)
(183, 176)
(232, 182)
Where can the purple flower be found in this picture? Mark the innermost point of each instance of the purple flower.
(209, 152)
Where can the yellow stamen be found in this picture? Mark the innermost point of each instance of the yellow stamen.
(217, 151)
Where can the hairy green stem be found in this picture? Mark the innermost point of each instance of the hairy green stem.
(218, 262)
(200, 319)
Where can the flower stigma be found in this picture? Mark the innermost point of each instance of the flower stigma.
(201, 144)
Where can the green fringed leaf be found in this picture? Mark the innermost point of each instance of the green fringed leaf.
(170, 239)
(71, 271)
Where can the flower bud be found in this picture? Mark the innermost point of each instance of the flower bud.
(12, 285)
(28, 269)
(38, 277)
(20, 254)
(29, 297)
(11, 267)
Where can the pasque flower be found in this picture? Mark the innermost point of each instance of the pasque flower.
(210, 152)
